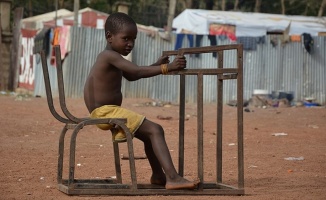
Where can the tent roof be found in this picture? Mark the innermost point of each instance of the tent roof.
(197, 21)
(87, 9)
(48, 16)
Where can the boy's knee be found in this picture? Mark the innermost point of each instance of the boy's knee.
(158, 129)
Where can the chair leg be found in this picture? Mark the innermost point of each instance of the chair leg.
(130, 152)
(61, 152)
(117, 162)
(72, 155)
(132, 162)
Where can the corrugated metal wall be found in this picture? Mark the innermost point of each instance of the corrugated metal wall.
(285, 67)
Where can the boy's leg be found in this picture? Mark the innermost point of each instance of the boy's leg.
(153, 133)
(158, 176)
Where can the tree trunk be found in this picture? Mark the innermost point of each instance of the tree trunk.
(306, 9)
(283, 7)
(167, 34)
(236, 5)
(61, 4)
(76, 10)
(172, 5)
(56, 12)
(321, 9)
(30, 8)
(257, 5)
(223, 5)
(187, 4)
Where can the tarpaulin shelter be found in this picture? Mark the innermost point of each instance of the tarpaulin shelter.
(197, 21)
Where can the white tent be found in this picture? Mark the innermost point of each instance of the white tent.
(36, 22)
(198, 21)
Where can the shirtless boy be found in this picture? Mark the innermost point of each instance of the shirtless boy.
(103, 97)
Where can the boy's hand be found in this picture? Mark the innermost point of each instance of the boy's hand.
(162, 60)
(178, 63)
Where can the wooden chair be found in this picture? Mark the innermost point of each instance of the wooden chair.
(71, 122)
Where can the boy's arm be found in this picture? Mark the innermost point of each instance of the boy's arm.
(178, 63)
(133, 72)
(162, 60)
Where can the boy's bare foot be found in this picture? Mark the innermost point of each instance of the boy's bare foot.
(158, 180)
(182, 183)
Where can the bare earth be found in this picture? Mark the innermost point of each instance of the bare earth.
(29, 143)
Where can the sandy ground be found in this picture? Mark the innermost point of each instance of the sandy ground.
(29, 144)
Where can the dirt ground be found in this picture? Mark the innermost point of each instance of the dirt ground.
(29, 144)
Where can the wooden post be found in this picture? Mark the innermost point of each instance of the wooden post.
(5, 40)
(14, 58)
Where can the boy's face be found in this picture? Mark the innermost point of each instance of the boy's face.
(124, 40)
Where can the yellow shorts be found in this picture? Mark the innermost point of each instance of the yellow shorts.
(134, 120)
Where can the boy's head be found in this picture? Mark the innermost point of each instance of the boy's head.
(116, 21)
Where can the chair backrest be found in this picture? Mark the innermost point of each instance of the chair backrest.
(48, 89)
(61, 87)
(69, 118)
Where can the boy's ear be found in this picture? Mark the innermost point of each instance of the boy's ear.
(108, 35)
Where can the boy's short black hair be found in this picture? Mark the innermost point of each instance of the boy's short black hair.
(116, 21)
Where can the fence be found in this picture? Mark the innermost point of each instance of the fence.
(273, 67)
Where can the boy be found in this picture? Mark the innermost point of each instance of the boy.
(103, 97)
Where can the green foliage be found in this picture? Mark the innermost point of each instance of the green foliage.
(150, 12)
(100, 5)
(292, 7)
(33, 7)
